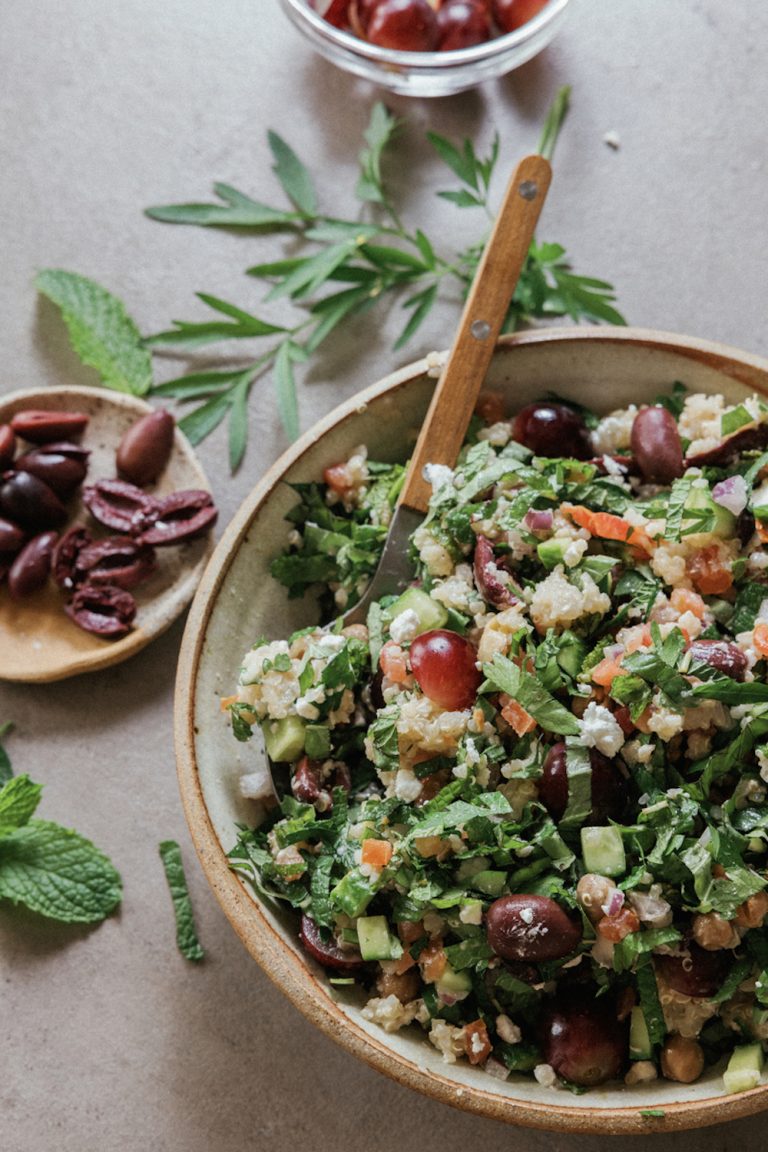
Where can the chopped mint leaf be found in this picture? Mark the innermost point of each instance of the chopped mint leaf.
(18, 800)
(504, 676)
(186, 935)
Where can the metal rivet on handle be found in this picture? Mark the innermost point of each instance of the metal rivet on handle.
(480, 329)
(529, 189)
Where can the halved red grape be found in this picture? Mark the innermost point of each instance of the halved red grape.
(462, 24)
(404, 25)
(445, 667)
(609, 787)
(326, 952)
(583, 1040)
(512, 14)
(552, 430)
(699, 974)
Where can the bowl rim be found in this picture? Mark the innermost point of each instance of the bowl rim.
(284, 966)
(437, 62)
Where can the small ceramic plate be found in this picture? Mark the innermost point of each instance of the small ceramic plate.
(38, 641)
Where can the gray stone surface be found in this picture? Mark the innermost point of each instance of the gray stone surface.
(111, 1041)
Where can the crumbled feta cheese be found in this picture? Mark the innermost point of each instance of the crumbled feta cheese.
(405, 627)
(471, 913)
(614, 431)
(407, 786)
(556, 603)
(389, 1013)
(574, 552)
(437, 475)
(508, 1032)
(448, 1040)
(256, 785)
(545, 1075)
(600, 729)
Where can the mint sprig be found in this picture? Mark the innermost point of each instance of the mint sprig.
(51, 870)
(337, 269)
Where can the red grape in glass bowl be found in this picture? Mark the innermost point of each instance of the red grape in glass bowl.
(427, 47)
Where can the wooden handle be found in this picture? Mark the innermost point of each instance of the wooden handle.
(445, 425)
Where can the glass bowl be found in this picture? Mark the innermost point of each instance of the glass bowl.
(427, 73)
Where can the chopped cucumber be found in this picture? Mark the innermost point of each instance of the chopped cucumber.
(376, 941)
(353, 893)
(431, 614)
(640, 1047)
(284, 738)
(489, 883)
(455, 984)
(603, 851)
(469, 868)
(552, 552)
(700, 500)
(317, 741)
(745, 1068)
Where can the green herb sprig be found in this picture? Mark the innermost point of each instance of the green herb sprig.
(338, 269)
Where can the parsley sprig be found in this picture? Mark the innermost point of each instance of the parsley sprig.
(336, 269)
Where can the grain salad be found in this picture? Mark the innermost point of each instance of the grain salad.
(528, 810)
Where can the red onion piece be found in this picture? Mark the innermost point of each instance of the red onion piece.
(614, 903)
(538, 520)
(731, 493)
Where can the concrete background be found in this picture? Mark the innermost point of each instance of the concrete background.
(111, 1041)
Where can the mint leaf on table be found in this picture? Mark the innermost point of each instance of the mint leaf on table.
(186, 934)
(6, 772)
(57, 873)
(19, 798)
(102, 333)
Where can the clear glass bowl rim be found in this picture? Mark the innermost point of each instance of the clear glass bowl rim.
(425, 61)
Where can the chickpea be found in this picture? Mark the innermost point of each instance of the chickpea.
(713, 932)
(682, 1059)
(753, 911)
(404, 985)
(592, 892)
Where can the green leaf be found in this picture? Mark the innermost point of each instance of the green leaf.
(294, 177)
(58, 873)
(238, 424)
(381, 128)
(313, 271)
(735, 418)
(462, 198)
(19, 798)
(286, 391)
(505, 676)
(186, 934)
(554, 122)
(200, 423)
(422, 304)
(102, 333)
(462, 163)
(238, 211)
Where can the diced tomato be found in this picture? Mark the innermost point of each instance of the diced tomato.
(405, 962)
(336, 476)
(683, 600)
(393, 662)
(606, 671)
(760, 638)
(477, 1044)
(520, 721)
(621, 924)
(376, 853)
(640, 637)
(433, 961)
(710, 575)
(491, 407)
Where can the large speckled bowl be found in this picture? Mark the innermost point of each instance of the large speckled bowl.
(237, 601)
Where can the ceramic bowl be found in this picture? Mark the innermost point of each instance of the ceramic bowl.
(237, 601)
(427, 73)
(38, 641)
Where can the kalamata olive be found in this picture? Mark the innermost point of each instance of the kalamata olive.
(118, 560)
(7, 445)
(11, 536)
(29, 571)
(745, 527)
(462, 24)
(728, 449)
(697, 972)
(60, 472)
(445, 667)
(493, 583)
(583, 1040)
(145, 449)
(102, 609)
(65, 555)
(609, 786)
(530, 928)
(307, 780)
(405, 25)
(327, 952)
(30, 502)
(552, 430)
(121, 506)
(656, 445)
(181, 516)
(726, 657)
(41, 426)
